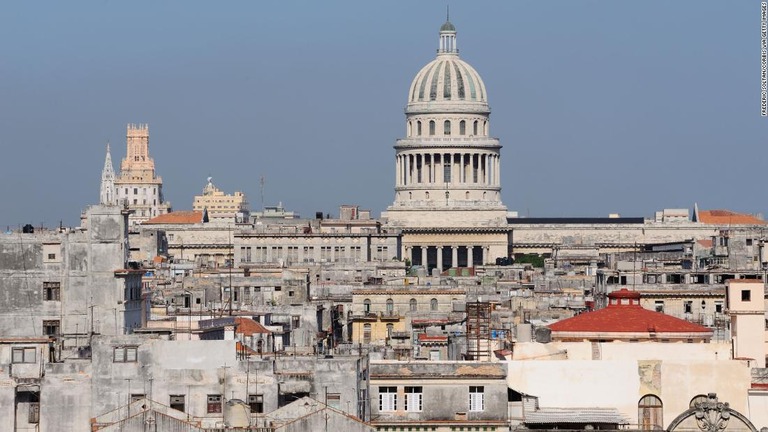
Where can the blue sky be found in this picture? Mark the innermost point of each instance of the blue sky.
(601, 106)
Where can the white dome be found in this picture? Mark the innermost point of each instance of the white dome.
(447, 78)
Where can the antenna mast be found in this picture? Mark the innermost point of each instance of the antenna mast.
(261, 189)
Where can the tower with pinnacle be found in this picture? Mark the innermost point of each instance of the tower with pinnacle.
(138, 187)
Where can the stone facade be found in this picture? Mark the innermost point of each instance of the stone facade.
(221, 206)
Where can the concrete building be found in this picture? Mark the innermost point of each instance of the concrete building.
(438, 396)
(220, 206)
(138, 187)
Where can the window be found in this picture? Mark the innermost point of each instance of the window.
(24, 355)
(387, 398)
(447, 127)
(125, 354)
(51, 327)
(476, 398)
(34, 413)
(474, 128)
(462, 127)
(698, 399)
(413, 399)
(366, 333)
(418, 128)
(214, 404)
(256, 402)
(390, 329)
(746, 295)
(333, 400)
(447, 172)
(51, 256)
(51, 291)
(433, 304)
(659, 304)
(718, 306)
(367, 306)
(177, 402)
(413, 305)
(295, 321)
(688, 306)
(135, 191)
(649, 413)
(390, 306)
(431, 127)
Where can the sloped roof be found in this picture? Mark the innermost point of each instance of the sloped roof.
(177, 217)
(248, 327)
(626, 318)
(575, 415)
(432, 338)
(727, 217)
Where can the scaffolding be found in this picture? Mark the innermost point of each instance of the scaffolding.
(479, 331)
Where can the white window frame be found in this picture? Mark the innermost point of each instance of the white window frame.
(476, 398)
(387, 399)
(414, 399)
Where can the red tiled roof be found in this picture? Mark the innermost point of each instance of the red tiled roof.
(705, 243)
(242, 349)
(727, 217)
(248, 327)
(177, 217)
(626, 318)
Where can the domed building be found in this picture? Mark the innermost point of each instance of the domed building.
(447, 188)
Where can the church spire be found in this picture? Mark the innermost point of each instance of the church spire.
(107, 196)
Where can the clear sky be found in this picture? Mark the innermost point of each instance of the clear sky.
(601, 106)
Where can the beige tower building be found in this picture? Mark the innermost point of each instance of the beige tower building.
(137, 186)
(447, 184)
(221, 206)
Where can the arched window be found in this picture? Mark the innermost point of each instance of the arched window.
(485, 128)
(390, 306)
(367, 306)
(447, 127)
(462, 127)
(474, 128)
(412, 304)
(418, 128)
(433, 304)
(426, 194)
(431, 127)
(466, 195)
(650, 413)
(410, 128)
(698, 399)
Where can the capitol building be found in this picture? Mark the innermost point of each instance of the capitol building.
(447, 191)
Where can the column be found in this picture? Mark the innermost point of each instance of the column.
(398, 177)
(440, 258)
(470, 261)
(486, 254)
(454, 256)
(407, 252)
(423, 256)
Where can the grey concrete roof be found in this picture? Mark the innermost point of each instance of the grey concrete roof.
(575, 415)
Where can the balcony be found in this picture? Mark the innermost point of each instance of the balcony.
(366, 316)
(400, 335)
(392, 315)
